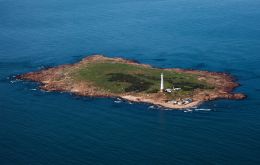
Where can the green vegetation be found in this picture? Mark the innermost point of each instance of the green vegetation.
(120, 77)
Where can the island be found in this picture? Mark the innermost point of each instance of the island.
(100, 76)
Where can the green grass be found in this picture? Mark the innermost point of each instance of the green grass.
(120, 78)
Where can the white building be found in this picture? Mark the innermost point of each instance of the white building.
(168, 90)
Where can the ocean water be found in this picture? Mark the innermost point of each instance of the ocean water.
(38, 127)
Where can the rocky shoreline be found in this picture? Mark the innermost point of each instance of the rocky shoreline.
(57, 79)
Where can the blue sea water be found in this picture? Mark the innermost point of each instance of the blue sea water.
(38, 127)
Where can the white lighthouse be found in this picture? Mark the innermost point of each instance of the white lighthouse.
(162, 87)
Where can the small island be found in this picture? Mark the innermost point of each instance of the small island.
(100, 76)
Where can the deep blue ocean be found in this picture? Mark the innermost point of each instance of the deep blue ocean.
(38, 127)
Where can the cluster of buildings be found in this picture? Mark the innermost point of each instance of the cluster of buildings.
(181, 101)
(169, 90)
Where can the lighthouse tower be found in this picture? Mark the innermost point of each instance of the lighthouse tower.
(162, 87)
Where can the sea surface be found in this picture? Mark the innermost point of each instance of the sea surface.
(41, 128)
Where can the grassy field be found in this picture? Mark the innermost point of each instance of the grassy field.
(121, 78)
